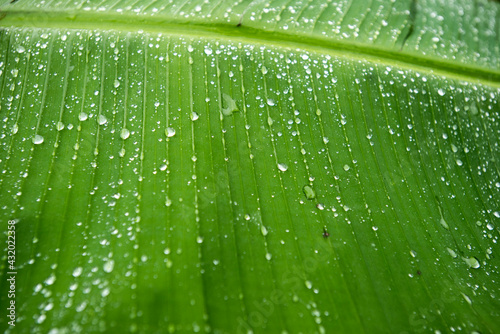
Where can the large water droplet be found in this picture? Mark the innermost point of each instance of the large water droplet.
(472, 262)
(51, 279)
(37, 140)
(105, 292)
(467, 299)
(125, 133)
(444, 223)
(230, 105)
(169, 132)
(452, 252)
(108, 266)
(82, 116)
(77, 272)
(282, 167)
(309, 192)
(101, 119)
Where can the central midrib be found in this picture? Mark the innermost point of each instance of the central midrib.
(249, 35)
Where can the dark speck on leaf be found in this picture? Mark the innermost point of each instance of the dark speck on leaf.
(325, 233)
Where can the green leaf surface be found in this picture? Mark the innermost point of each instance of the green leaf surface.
(250, 166)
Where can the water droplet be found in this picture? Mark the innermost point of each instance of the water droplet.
(472, 262)
(452, 252)
(346, 167)
(444, 223)
(81, 307)
(108, 266)
(20, 49)
(117, 83)
(77, 272)
(247, 217)
(230, 105)
(413, 253)
(268, 256)
(263, 230)
(270, 121)
(15, 128)
(194, 116)
(208, 51)
(264, 70)
(308, 284)
(101, 119)
(105, 292)
(282, 167)
(37, 140)
(199, 240)
(441, 92)
(60, 126)
(169, 132)
(125, 133)
(309, 192)
(168, 202)
(473, 109)
(82, 116)
(320, 206)
(51, 279)
(41, 318)
(121, 153)
(270, 102)
(467, 298)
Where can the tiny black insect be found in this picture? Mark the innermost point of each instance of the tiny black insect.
(325, 233)
(419, 272)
